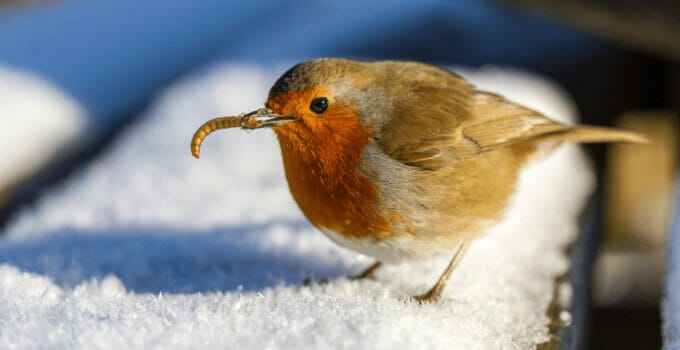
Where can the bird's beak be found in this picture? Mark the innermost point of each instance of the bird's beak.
(264, 118)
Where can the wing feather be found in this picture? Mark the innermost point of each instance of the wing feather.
(483, 123)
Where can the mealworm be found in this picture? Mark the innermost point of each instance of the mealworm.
(217, 124)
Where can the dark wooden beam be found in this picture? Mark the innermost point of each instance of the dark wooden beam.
(652, 26)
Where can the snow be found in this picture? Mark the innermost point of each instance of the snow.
(671, 302)
(149, 248)
(38, 121)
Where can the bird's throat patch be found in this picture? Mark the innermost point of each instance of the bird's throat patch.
(322, 158)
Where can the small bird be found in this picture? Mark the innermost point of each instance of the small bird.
(401, 160)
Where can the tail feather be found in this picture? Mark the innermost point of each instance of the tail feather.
(595, 134)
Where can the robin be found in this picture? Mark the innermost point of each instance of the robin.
(401, 160)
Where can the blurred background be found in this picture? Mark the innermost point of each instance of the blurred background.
(618, 60)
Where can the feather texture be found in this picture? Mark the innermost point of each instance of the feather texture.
(464, 126)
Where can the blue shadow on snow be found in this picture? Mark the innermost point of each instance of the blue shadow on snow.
(159, 259)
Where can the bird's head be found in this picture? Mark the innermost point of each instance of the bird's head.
(323, 109)
(322, 102)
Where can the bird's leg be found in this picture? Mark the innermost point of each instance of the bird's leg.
(435, 292)
(368, 273)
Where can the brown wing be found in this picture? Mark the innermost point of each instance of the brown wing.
(499, 122)
(462, 126)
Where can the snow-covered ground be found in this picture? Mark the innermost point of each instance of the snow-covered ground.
(149, 248)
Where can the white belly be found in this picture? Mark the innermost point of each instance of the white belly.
(397, 249)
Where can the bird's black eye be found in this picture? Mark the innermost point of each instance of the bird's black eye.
(319, 105)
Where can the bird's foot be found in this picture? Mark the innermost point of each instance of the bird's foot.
(313, 280)
(431, 297)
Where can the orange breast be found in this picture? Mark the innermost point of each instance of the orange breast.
(322, 155)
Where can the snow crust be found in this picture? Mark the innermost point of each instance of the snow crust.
(150, 248)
